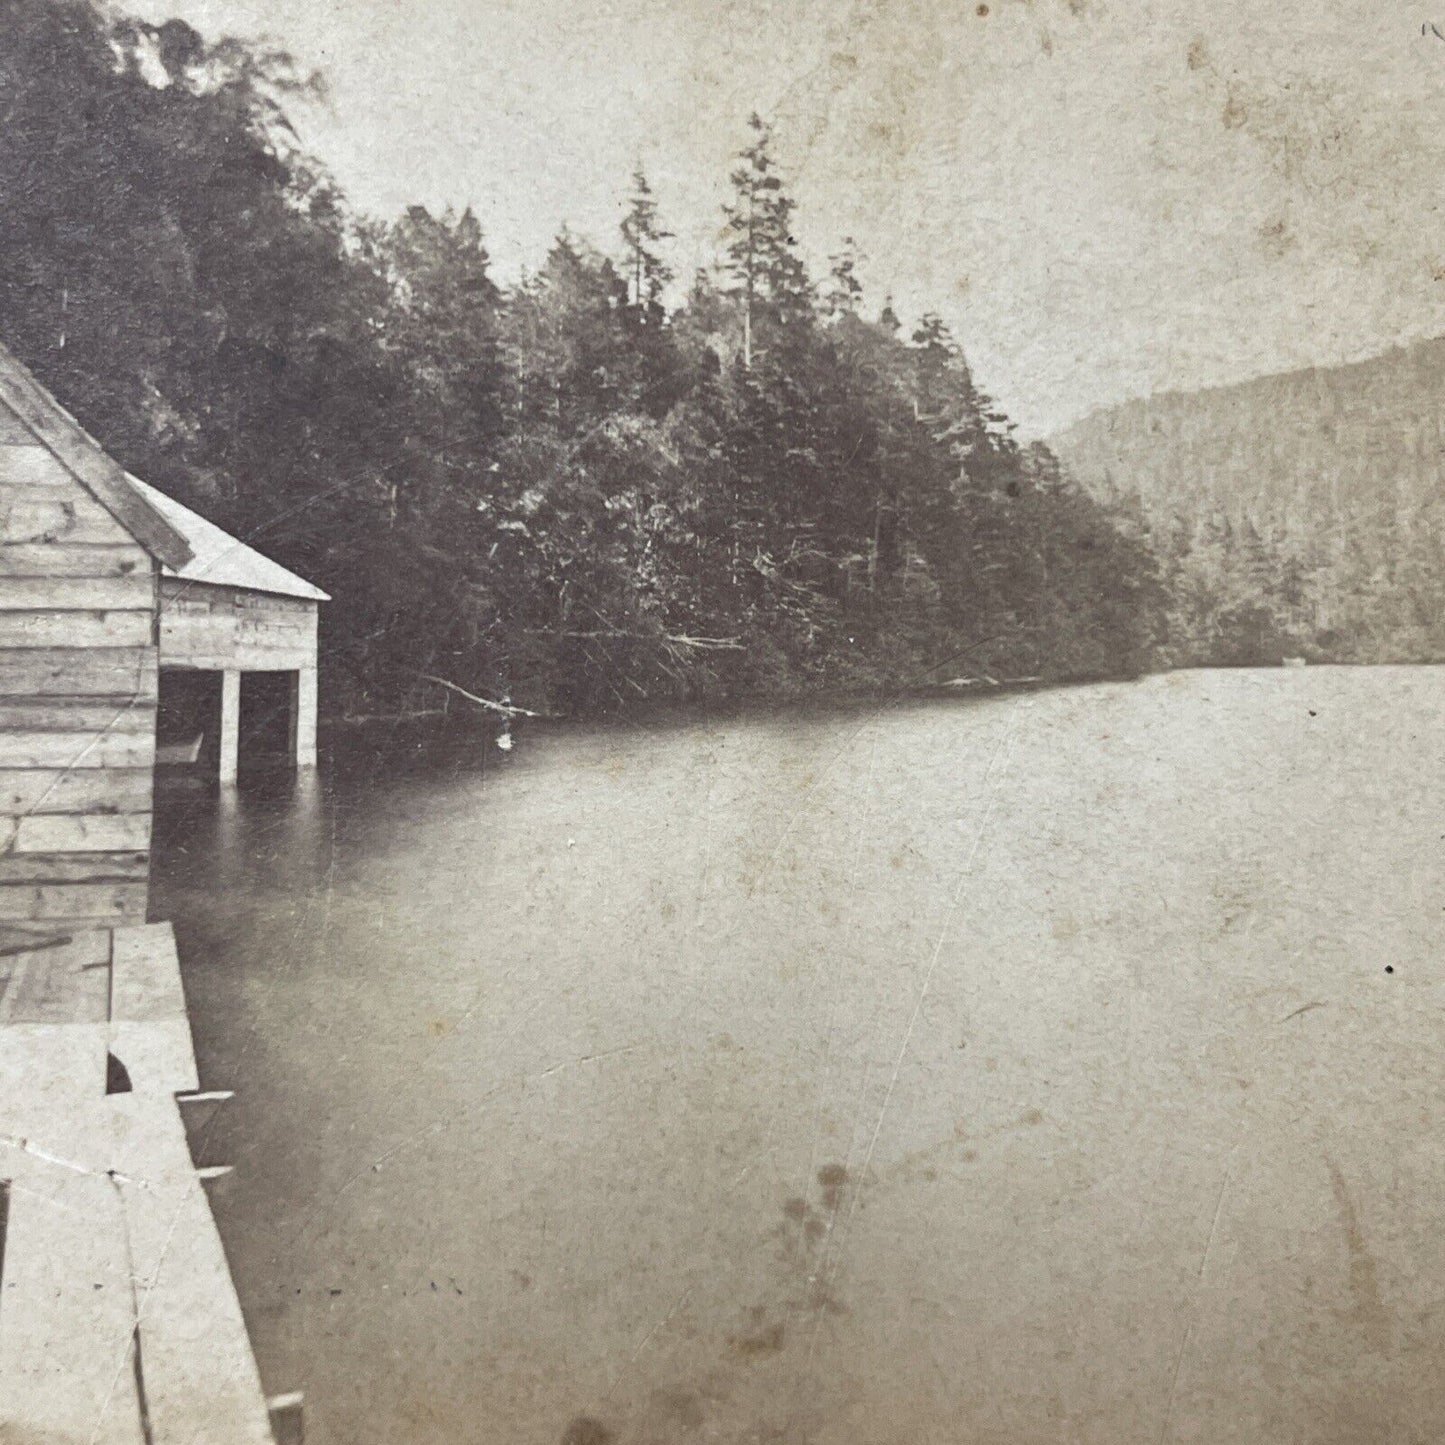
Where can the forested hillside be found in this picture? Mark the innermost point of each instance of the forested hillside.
(1297, 513)
(598, 486)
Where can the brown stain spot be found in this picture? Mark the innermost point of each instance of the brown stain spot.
(813, 1230)
(969, 1156)
(761, 1341)
(1368, 1311)
(1032, 1117)
(586, 1430)
(1275, 237)
(437, 1028)
(982, 12)
(668, 911)
(1235, 112)
(796, 1209)
(1197, 56)
(1065, 927)
(831, 1179)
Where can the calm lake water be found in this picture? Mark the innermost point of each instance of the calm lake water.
(1005, 1071)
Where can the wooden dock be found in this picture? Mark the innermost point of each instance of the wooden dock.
(119, 1321)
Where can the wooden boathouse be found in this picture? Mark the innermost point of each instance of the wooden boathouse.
(119, 1323)
(106, 584)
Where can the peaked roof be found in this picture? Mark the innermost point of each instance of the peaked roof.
(79, 452)
(219, 558)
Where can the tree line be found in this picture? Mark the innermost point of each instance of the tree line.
(600, 486)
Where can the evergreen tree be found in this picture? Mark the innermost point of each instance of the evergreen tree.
(643, 235)
(770, 281)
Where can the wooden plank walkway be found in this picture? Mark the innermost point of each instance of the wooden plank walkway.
(119, 1323)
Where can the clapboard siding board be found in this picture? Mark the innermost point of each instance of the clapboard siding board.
(77, 594)
(76, 715)
(75, 792)
(37, 514)
(78, 673)
(76, 629)
(77, 750)
(63, 559)
(32, 465)
(225, 627)
(94, 672)
(90, 833)
(78, 686)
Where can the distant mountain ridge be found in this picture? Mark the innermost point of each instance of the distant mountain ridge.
(1296, 514)
(1346, 441)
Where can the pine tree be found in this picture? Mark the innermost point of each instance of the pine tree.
(845, 291)
(769, 278)
(643, 235)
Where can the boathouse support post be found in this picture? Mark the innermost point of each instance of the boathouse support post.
(230, 724)
(302, 716)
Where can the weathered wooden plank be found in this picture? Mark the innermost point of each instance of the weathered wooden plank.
(65, 982)
(13, 431)
(76, 672)
(88, 833)
(101, 474)
(196, 595)
(41, 868)
(201, 1379)
(77, 594)
(29, 515)
(88, 790)
(151, 1028)
(63, 559)
(75, 629)
(216, 628)
(242, 659)
(69, 1308)
(35, 466)
(146, 975)
(79, 715)
(91, 904)
(256, 628)
(76, 750)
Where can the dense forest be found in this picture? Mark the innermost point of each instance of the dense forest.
(1295, 514)
(600, 485)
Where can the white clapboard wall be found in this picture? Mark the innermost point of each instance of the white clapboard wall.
(78, 677)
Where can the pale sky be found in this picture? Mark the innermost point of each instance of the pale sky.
(1105, 198)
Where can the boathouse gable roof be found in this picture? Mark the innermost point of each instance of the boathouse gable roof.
(221, 560)
(88, 462)
(185, 544)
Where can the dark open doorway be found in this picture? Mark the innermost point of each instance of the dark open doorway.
(189, 710)
(266, 701)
